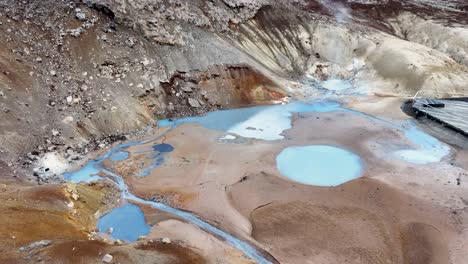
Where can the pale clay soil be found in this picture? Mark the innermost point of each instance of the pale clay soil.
(395, 213)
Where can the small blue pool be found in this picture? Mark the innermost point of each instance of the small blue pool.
(163, 147)
(128, 223)
(429, 149)
(319, 165)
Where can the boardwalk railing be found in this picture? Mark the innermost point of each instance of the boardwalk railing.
(416, 96)
(454, 114)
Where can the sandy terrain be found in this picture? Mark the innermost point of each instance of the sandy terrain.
(397, 212)
(363, 221)
(215, 250)
(383, 216)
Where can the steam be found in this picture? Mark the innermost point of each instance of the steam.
(340, 11)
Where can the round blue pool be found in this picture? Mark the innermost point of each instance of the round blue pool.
(319, 165)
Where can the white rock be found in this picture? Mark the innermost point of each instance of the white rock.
(53, 73)
(166, 240)
(67, 120)
(69, 99)
(71, 204)
(35, 245)
(130, 42)
(84, 87)
(55, 162)
(55, 132)
(75, 196)
(145, 62)
(188, 87)
(193, 102)
(107, 258)
(80, 15)
(228, 137)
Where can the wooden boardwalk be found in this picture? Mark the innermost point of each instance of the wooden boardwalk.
(454, 114)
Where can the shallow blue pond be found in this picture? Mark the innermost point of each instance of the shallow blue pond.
(319, 165)
(261, 122)
(163, 147)
(127, 221)
(87, 173)
(429, 148)
(161, 152)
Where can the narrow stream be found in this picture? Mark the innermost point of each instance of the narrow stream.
(88, 173)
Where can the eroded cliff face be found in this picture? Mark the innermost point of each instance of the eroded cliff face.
(76, 73)
(384, 63)
(199, 91)
(73, 74)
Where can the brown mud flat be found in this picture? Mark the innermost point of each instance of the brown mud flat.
(237, 188)
(363, 221)
(92, 251)
(146, 252)
(383, 216)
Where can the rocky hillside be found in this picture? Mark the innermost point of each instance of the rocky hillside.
(77, 75)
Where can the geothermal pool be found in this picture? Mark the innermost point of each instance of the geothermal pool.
(319, 165)
(428, 150)
(260, 122)
(160, 153)
(163, 148)
(127, 223)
